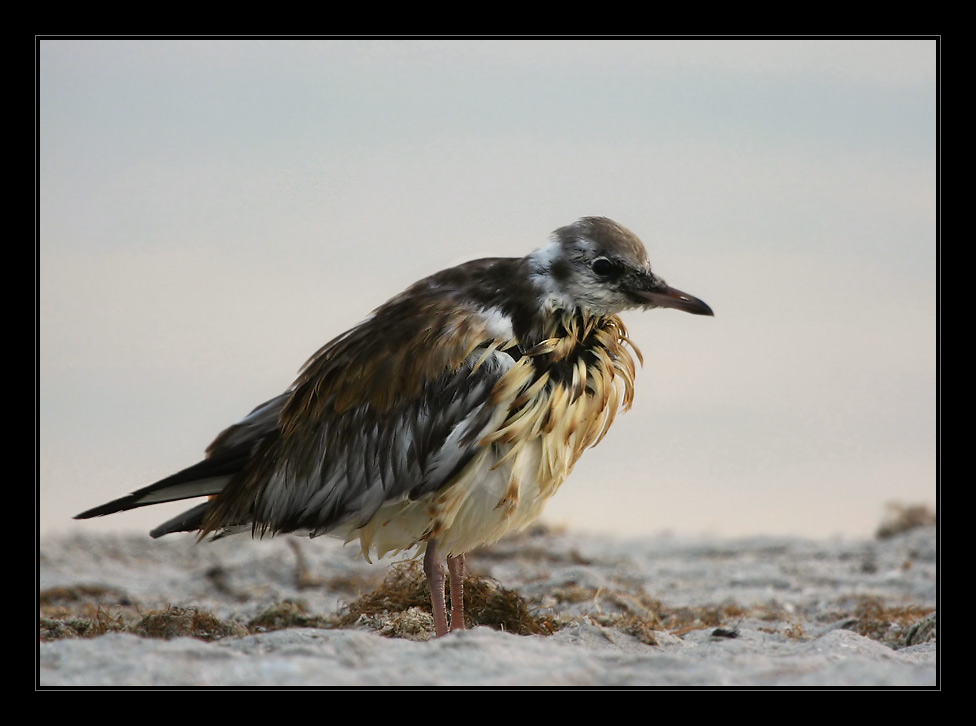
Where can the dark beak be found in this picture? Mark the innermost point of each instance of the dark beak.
(660, 295)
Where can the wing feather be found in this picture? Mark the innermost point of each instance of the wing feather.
(391, 410)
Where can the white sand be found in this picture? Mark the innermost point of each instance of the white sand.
(799, 595)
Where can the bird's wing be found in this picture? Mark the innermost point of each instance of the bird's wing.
(393, 409)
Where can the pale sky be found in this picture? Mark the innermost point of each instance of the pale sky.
(211, 212)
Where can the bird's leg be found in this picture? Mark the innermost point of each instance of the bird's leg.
(435, 581)
(455, 568)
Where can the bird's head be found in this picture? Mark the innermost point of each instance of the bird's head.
(601, 268)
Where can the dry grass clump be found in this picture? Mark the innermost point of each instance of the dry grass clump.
(174, 622)
(903, 517)
(401, 606)
(92, 619)
(630, 609)
(59, 628)
(893, 625)
(289, 614)
(83, 611)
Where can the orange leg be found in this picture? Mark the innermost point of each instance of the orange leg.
(455, 567)
(435, 581)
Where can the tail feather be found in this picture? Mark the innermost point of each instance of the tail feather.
(207, 478)
(227, 457)
(189, 521)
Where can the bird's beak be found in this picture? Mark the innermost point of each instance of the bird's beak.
(660, 295)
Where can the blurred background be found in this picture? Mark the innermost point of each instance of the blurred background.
(211, 212)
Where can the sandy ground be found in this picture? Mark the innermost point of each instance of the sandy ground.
(662, 611)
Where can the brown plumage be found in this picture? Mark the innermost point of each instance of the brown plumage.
(444, 420)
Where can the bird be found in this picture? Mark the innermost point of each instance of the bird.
(443, 421)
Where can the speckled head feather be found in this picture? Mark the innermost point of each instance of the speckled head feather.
(607, 238)
(600, 268)
(448, 417)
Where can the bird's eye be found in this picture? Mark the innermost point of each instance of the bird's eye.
(603, 267)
